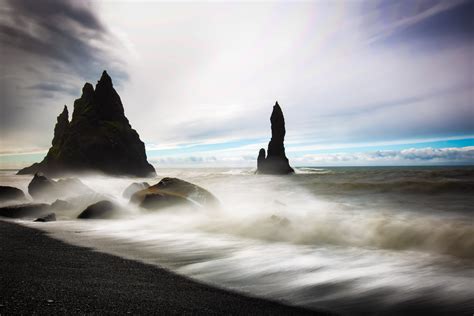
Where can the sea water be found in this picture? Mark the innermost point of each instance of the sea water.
(349, 240)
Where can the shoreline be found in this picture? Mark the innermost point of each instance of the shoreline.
(43, 275)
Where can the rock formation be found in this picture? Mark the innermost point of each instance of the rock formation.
(101, 210)
(98, 138)
(44, 188)
(10, 194)
(275, 162)
(172, 192)
(51, 217)
(134, 187)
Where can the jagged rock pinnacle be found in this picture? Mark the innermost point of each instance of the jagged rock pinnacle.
(276, 161)
(111, 107)
(61, 128)
(87, 90)
(105, 80)
(99, 138)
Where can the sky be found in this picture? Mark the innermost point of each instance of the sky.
(359, 82)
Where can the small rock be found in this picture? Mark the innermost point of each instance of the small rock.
(282, 221)
(100, 210)
(60, 205)
(134, 187)
(48, 218)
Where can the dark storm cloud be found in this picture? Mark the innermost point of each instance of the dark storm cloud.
(48, 49)
(50, 11)
(50, 88)
(55, 35)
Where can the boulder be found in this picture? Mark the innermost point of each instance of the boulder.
(275, 162)
(171, 192)
(99, 138)
(101, 210)
(51, 217)
(10, 194)
(25, 210)
(42, 187)
(60, 205)
(133, 188)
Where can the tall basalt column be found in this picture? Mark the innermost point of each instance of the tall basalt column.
(275, 162)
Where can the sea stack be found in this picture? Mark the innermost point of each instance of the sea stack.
(275, 161)
(98, 138)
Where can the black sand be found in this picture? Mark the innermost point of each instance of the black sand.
(42, 275)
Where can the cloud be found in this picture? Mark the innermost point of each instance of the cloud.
(462, 155)
(427, 20)
(48, 50)
(410, 156)
(50, 87)
(65, 33)
(210, 72)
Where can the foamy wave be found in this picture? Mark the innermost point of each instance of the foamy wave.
(442, 236)
(310, 170)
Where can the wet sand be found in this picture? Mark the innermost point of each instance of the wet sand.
(42, 275)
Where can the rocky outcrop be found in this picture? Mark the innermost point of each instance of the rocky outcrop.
(172, 192)
(98, 138)
(44, 188)
(275, 162)
(51, 217)
(101, 210)
(10, 194)
(133, 188)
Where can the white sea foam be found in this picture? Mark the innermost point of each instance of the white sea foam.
(288, 238)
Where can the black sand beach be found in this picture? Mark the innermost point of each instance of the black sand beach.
(41, 275)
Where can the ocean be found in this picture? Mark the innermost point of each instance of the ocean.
(349, 240)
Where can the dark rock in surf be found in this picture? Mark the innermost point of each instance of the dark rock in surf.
(8, 193)
(101, 210)
(275, 161)
(280, 221)
(25, 210)
(51, 217)
(98, 138)
(60, 205)
(42, 187)
(133, 188)
(172, 192)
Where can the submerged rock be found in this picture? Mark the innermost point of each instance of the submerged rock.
(275, 162)
(171, 192)
(42, 187)
(60, 205)
(51, 217)
(279, 220)
(99, 138)
(25, 210)
(133, 188)
(8, 193)
(101, 210)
